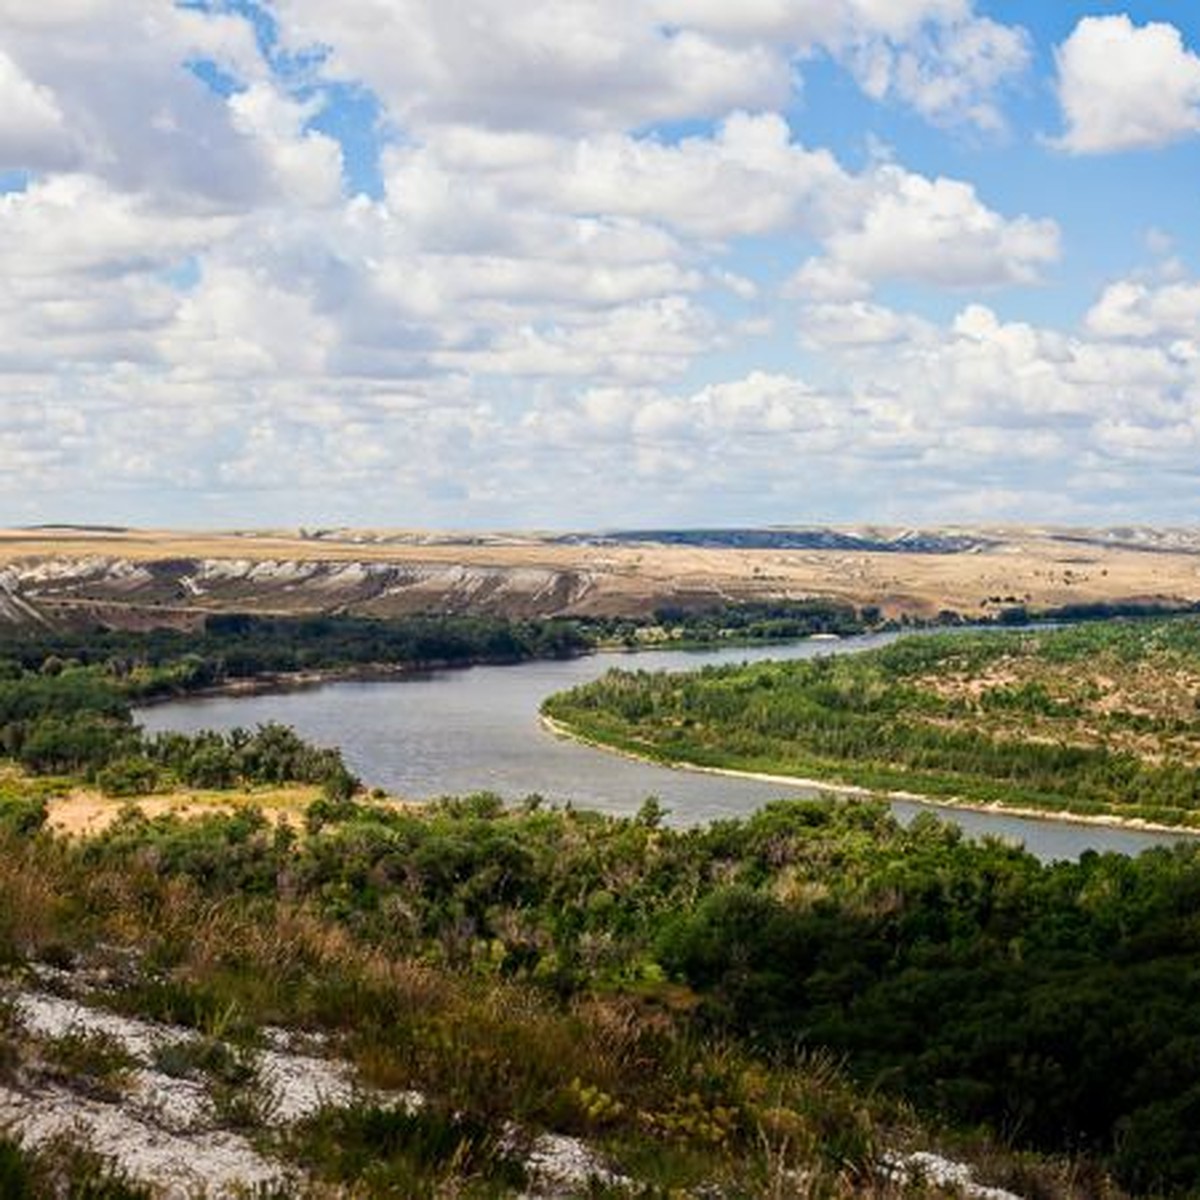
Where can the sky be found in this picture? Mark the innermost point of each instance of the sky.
(575, 264)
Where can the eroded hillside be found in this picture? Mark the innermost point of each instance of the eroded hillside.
(133, 579)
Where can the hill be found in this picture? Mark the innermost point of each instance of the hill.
(82, 577)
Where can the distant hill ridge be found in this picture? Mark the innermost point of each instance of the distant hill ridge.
(909, 541)
(135, 579)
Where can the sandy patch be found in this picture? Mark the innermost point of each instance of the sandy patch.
(84, 812)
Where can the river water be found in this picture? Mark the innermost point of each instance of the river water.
(457, 731)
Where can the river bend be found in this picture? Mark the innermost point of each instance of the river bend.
(457, 731)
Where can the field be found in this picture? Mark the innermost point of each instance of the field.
(135, 578)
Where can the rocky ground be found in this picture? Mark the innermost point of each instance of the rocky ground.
(191, 1114)
(194, 1116)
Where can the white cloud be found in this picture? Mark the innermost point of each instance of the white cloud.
(635, 343)
(810, 23)
(545, 276)
(112, 96)
(32, 130)
(751, 178)
(238, 327)
(568, 65)
(934, 231)
(935, 421)
(857, 324)
(748, 178)
(1129, 309)
(70, 225)
(575, 65)
(1126, 87)
(307, 166)
(84, 273)
(950, 74)
(936, 55)
(820, 279)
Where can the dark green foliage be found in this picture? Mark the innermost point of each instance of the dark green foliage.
(871, 719)
(77, 720)
(237, 646)
(132, 775)
(91, 1060)
(1058, 1004)
(239, 853)
(271, 754)
(206, 1057)
(762, 620)
(22, 815)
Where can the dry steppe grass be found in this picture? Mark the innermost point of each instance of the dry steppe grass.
(1041, 568)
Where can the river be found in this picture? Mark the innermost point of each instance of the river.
(456, 731)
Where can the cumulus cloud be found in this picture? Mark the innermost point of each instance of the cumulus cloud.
(904, 226)
(938, 56)
(32, 130)
(544, 274)
(950, 73)
(947, 422)
(570, 65)
(150, 125)
(749, 177)
(307, 166)
(858, 324)
(1131, 309)
(807, 23)
(1126, 87)
(576, 65)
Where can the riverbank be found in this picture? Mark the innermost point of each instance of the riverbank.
(277, 682)
(849, 790)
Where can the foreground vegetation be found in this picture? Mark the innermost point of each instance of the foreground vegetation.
(1092, 720)
(680, 998)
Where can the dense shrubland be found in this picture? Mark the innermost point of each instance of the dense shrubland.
(1092, 719)
(235, 646)
(77, 721)
(681, 996)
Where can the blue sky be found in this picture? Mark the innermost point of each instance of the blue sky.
(589, 263)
